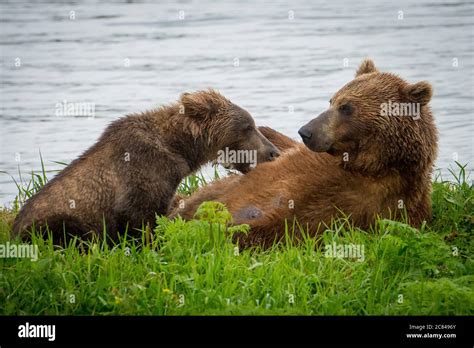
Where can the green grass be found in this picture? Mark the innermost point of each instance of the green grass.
(192, 268)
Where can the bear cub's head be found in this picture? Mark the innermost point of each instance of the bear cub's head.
(230, 132)
(376, 122)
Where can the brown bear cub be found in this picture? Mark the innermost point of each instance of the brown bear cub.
(370, 155)
(134, 169)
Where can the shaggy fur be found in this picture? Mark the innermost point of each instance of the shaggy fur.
(363, 164)
(133, 170)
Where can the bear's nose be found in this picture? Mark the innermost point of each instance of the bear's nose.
(274, 154)
(305, 134)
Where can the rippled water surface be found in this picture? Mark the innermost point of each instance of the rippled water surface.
(281, 62)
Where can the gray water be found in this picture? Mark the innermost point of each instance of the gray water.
(281, 62)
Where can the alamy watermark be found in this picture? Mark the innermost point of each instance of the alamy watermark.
(401, 109)
(28, 251)
(345, 251)
(84, 109)
(227, 156)
(28, 330)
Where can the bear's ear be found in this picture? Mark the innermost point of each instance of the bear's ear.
(419, 92)
(366, 67)
(201, 104)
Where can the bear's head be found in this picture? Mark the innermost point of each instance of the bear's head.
(377, 123)
(230, 131)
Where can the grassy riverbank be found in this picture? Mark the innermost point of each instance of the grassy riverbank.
(192, 268)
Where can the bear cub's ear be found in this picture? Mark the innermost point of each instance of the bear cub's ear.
(202, 104)
(419, 92)
(366, 67)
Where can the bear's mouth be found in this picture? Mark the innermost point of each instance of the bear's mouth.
(244, 168)
(332, 150)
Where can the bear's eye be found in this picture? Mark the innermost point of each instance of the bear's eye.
(248, 129)
(346, 109)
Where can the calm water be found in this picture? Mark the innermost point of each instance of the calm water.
(280, 63)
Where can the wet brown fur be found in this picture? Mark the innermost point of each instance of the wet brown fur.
(133, 170)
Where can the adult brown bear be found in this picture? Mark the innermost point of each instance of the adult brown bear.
(370, 154)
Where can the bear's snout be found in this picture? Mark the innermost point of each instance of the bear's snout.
(267, 151)
(270, 153)
(273, 153)
(305, 134)
(317, 134)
